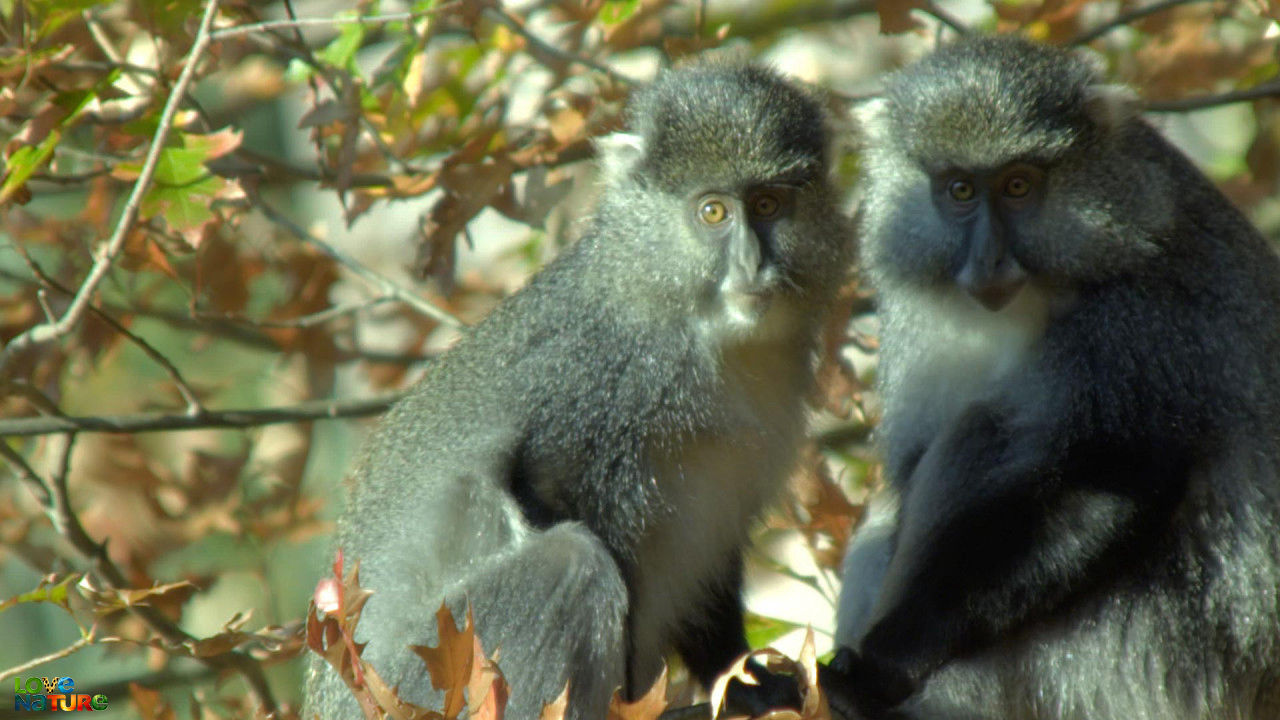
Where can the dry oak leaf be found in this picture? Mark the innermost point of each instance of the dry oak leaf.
(648, 707)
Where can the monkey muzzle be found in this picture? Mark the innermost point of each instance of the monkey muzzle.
(991, 274)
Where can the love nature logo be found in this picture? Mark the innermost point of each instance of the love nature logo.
(53, 694)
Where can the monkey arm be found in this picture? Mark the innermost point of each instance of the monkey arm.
(997, 526)
(708, 645)
(715, 637)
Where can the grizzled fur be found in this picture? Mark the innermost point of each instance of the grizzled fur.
(1085, 520)
(583, 466)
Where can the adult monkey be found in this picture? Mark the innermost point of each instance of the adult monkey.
(1080, 368)
(583, 466)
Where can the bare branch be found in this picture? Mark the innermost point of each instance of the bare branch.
(58, 508)
(548, 54)
(386, 285)
(85, 641)
(26, 473)
(161, 421)
(269, 26)
(47, 332)
(1127, 18)
(932, 10)
(1264, 90)
(184, 389)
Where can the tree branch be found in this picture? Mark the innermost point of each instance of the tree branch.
(1127, 18)
(50, 331)
(162, 421)
(1264, 90)
(386, 285)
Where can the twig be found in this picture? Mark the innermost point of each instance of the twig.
(85, 641)
(320, 317)
(1264, 90)
(1126, 18)
(932, 10)
(68, 526)
(162, 421)
(26, 473)
(298, 23)
(184, 389)
(385, 284)
(47, 332)
(548, 54)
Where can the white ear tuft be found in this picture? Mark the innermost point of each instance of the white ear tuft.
(1111, 105)
(619, 153)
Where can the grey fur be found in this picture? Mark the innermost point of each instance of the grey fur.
(1090, 508)
(584, 464)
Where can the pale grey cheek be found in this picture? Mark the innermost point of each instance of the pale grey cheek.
(904, 239)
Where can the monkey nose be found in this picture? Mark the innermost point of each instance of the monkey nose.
(996, 287)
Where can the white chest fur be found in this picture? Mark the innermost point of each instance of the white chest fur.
(714, 486)
(943, 351)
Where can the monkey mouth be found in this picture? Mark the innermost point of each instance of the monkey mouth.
(995, 296)
(745, 306)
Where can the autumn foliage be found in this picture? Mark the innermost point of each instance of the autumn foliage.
(229, 230)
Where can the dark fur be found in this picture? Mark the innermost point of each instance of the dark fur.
(541, 464)
(1090, 510)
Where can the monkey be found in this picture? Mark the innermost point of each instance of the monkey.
(1080, 361)
(583, 466)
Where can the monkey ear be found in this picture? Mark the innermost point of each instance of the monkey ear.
(619, 153)
(1111, 105)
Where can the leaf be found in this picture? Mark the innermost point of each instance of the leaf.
(47, 591)
(555, 709)
(648, 707)
(213, 145)
(23, 163)
(449, 663)
(895, 15)
(107, 601)
(341, 51)
(616, 12)
(487, 688)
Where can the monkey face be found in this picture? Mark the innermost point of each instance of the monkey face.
(1007, 174)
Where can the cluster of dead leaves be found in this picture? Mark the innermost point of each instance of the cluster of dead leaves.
(472, 681)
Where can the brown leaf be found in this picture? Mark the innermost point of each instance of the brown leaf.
(151, 705)
(648, 707)
(450, 662)
(555, 709)
(895, 15)
(487, 689)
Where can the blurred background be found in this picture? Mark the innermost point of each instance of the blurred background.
(232, 232)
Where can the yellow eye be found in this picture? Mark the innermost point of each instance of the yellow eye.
(713, 212)
(765, 205)
(960, 190)
(1017, 186)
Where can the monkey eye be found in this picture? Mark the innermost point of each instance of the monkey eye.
(1017, 186)
(765, 205)
(713, 212)
(961, 190)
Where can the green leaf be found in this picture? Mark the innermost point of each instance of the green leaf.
(183, 208)
(55, 593)
(341, 52)
(179, 166)
(53, 14)
(763, 631)
(615, 12)
(25, 161)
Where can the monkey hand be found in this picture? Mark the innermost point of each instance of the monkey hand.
(771, 692)
(856, 687)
